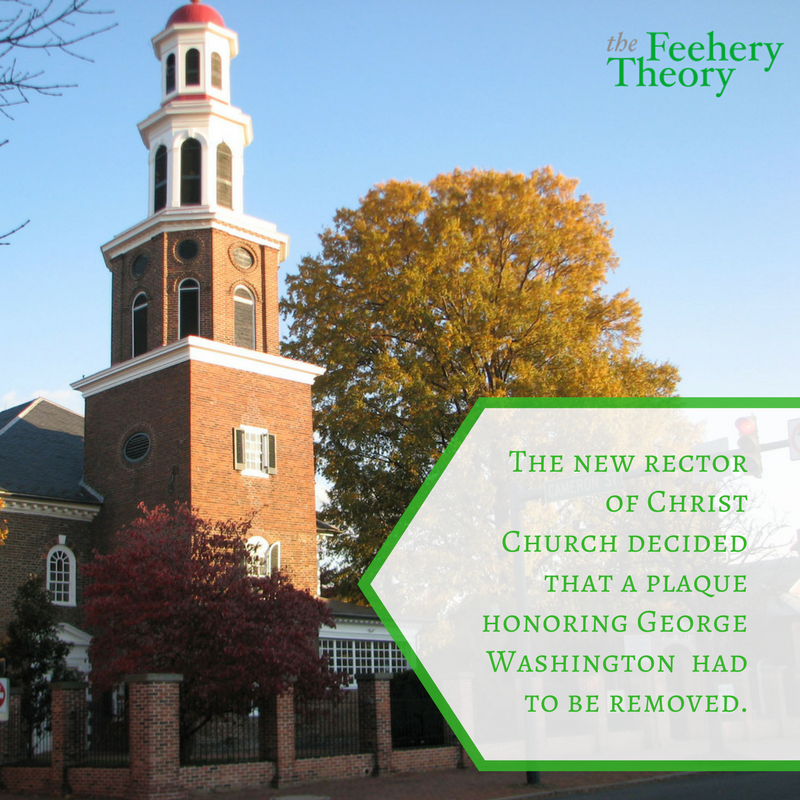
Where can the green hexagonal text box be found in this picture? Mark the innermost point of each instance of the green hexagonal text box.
(548, 584)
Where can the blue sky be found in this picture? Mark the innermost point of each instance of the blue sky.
(701, 191)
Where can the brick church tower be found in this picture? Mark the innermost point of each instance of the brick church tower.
(198, 406)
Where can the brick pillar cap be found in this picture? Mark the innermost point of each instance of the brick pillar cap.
(362, 677)
(69, 685)
(154, 677)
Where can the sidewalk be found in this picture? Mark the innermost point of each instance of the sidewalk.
(451, 784)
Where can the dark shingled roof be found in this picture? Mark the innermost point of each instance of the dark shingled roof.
(341, 609)
(41, 452)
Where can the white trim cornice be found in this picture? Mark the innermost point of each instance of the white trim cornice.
(245, 227)
(58, 509)
(23, 413)
(194, 113)
(206, 351)
(180, 27)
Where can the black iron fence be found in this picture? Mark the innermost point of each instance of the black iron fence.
(105, 729)
(28, 743)
(328, 726)
(225, 739)
(416, 721)
(97, 731)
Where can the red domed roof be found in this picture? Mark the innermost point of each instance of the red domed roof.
(196, 12)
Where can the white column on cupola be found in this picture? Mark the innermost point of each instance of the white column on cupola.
(195, 50)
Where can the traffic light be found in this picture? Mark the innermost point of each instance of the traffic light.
(748, 445)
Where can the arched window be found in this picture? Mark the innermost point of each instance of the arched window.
(170, 77)
(160, 179)
(244, 318)
(191, 154)
(265, 557)
(189, 308)
(224, 176)
(193, 67)
(139, 319)
(216, 70)
(61, 575)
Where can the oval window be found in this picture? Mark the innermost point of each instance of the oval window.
(137, 447)
(139, 266)
(243, 258)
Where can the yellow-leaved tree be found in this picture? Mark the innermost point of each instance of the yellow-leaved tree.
(425, 298)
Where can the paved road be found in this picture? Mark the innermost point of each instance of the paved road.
(710, 786)
(472, 785)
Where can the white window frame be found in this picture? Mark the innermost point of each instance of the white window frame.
(185, 288)
(352, 656)
(259, 458)
(69, 558)
(243, 296)
(267, 557)
(141, 301)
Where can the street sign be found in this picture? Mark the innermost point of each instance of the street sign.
(794, 439)
(4, 699)
(582, 486)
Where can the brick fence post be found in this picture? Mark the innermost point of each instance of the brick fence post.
(67, 703)
(276, 733)
(375, 718)
(154, 732)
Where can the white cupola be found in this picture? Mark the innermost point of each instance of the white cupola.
(196, 139)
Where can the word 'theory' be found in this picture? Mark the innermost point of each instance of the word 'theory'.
(697, 52)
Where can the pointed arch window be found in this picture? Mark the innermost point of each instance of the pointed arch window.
(61, 575)
(189, 308)
(244, 318)
(193, 67)
(170, 73)
(139, 324)
(224, 176)
(191, 157)
(160, 179)
(216, 70)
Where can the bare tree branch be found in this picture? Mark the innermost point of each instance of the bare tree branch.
(48, 26)
(11, 232)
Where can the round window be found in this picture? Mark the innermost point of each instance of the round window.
(137, 447)
(187, 249)
(139, 266)
(242, 257)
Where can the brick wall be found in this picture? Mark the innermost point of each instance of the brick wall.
(125, 287)
(282, 505)
(100, 782)
(24, 553)
(154, 737)
(158, 405)
(426, 759)
(189, 412)
(29, 780)
(223, 777)
(214, 268)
